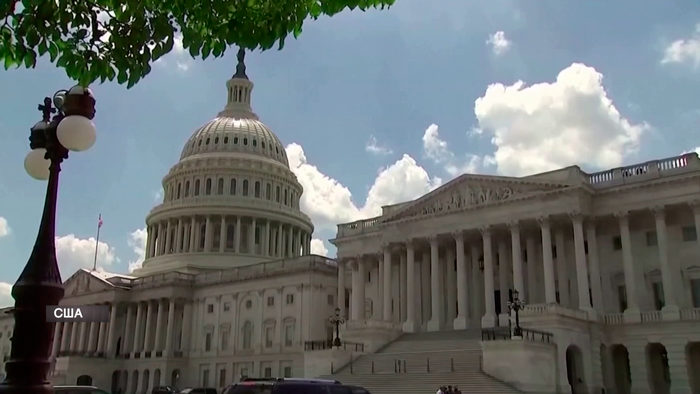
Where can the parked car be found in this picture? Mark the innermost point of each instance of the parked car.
(292, 386)
(163, 390)
(199, 390)
(78, 390)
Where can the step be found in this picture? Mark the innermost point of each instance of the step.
(421, 383)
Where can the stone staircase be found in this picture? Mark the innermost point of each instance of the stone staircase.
(420, 363)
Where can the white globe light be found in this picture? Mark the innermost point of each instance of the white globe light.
(36, 165)
(76, 133)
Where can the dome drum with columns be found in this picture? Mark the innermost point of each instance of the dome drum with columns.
(231, 200)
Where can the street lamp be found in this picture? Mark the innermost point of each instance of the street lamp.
(337, 320)
(39, 285)
(516, 305)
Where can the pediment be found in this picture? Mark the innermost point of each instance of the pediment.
(470, 191)
(83, 282)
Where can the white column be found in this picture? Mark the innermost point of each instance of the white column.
(92, 337)
(83, 336)
(112, 329)
(562, 268)
(237, 235)
(160, 248)
(207, 236)
(193, 235)
(149, 241)
(180, 235)
(460, 322)
(503, 281)
(489, 318)
(410, 284)
(354, 284)
(594, 267)
(402, 286)
(65, 338)
(266, 241)
(74, 333)
(280, 242)
(253, 248)
(222, 234)
(477, 284)
(632, 311)
(341, 286)
(187, 325)
(158, 340)
(168, 238)
(531, 252)
(128, 330)
(550, 293)
(378, 305)
(517, 257)
(670, 310)
(56, 343)
(290, 242)
(435, 289)
(361, 280)
(387, 283)
(584, 300)
(102, 338)
(449, 283)
(150, 317)
(169, 334)
(138, 331)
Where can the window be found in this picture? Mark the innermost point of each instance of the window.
(257, 189)
(216, 140)
(268, 370)
(554, 252)
(230, 233)
(227, 306)
(268, 191)
(210, 308)
(224, 340)
(235, 140)
(232, 188)
(270, 301)
(248, 304)
(651, 238)
(196, 187)
(695, 290)
(222, 378)
(257, 235)
(622, 297)
(331, 299)
(689, 234)
(245, 187)
(207, 342)
(187, 189)
(269, 336)
(288, 334)
(245, 141)
(290, 299)
(225, 140)
(220, 186)
(369, 277)
(202, 235)
(247, 335)
(277, 194)
(207, 189)
(285, 196)
(524, 253)
(205, 378)
(617, 242)
(179, 186)
(659, 300)
(287, 372)
(585, 247)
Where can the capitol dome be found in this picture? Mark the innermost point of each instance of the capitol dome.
(231, 200)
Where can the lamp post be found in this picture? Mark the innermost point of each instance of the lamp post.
(516, 305)
(337, 320)
(39, 285)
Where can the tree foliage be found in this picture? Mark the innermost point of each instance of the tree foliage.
(120, 39)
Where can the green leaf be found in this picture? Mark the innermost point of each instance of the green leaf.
(30, 59)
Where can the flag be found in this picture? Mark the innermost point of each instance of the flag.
(99, 221)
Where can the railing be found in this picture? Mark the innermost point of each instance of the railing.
(554, 309)
(690, 314)
(651, 169)
(358, 227)
(328, 344)
(359, 324)
(504, 333)
(436, 365)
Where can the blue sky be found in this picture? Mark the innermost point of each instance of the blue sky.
(377, 108)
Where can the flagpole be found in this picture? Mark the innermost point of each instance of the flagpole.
(97, 242)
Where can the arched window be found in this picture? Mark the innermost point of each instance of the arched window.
(220, 186)
(285, 196)
(268, 191)
(257, 189)
(230, 234)
(291, 200)
(245, 187)
(207, 191)
(217, 236)
(247, 335)
(179, 188)
(277, 194)
(187, 189)
(202, 234)
(196, 187)
(232, 188)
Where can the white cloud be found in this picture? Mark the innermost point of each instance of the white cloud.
(374, 148)
(74, 253)
(684, 50)
(4, 227)
(178, 58)
(328, 202)
(499, 43)
(317, 247)
(437, 150)
(158, 196)
(553, 125)
(5, 295)
(137, 242)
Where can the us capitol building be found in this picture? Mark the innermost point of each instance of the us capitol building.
(608, 264)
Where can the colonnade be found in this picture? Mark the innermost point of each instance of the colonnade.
(507, 254)
(227, 234)
(85, 337)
